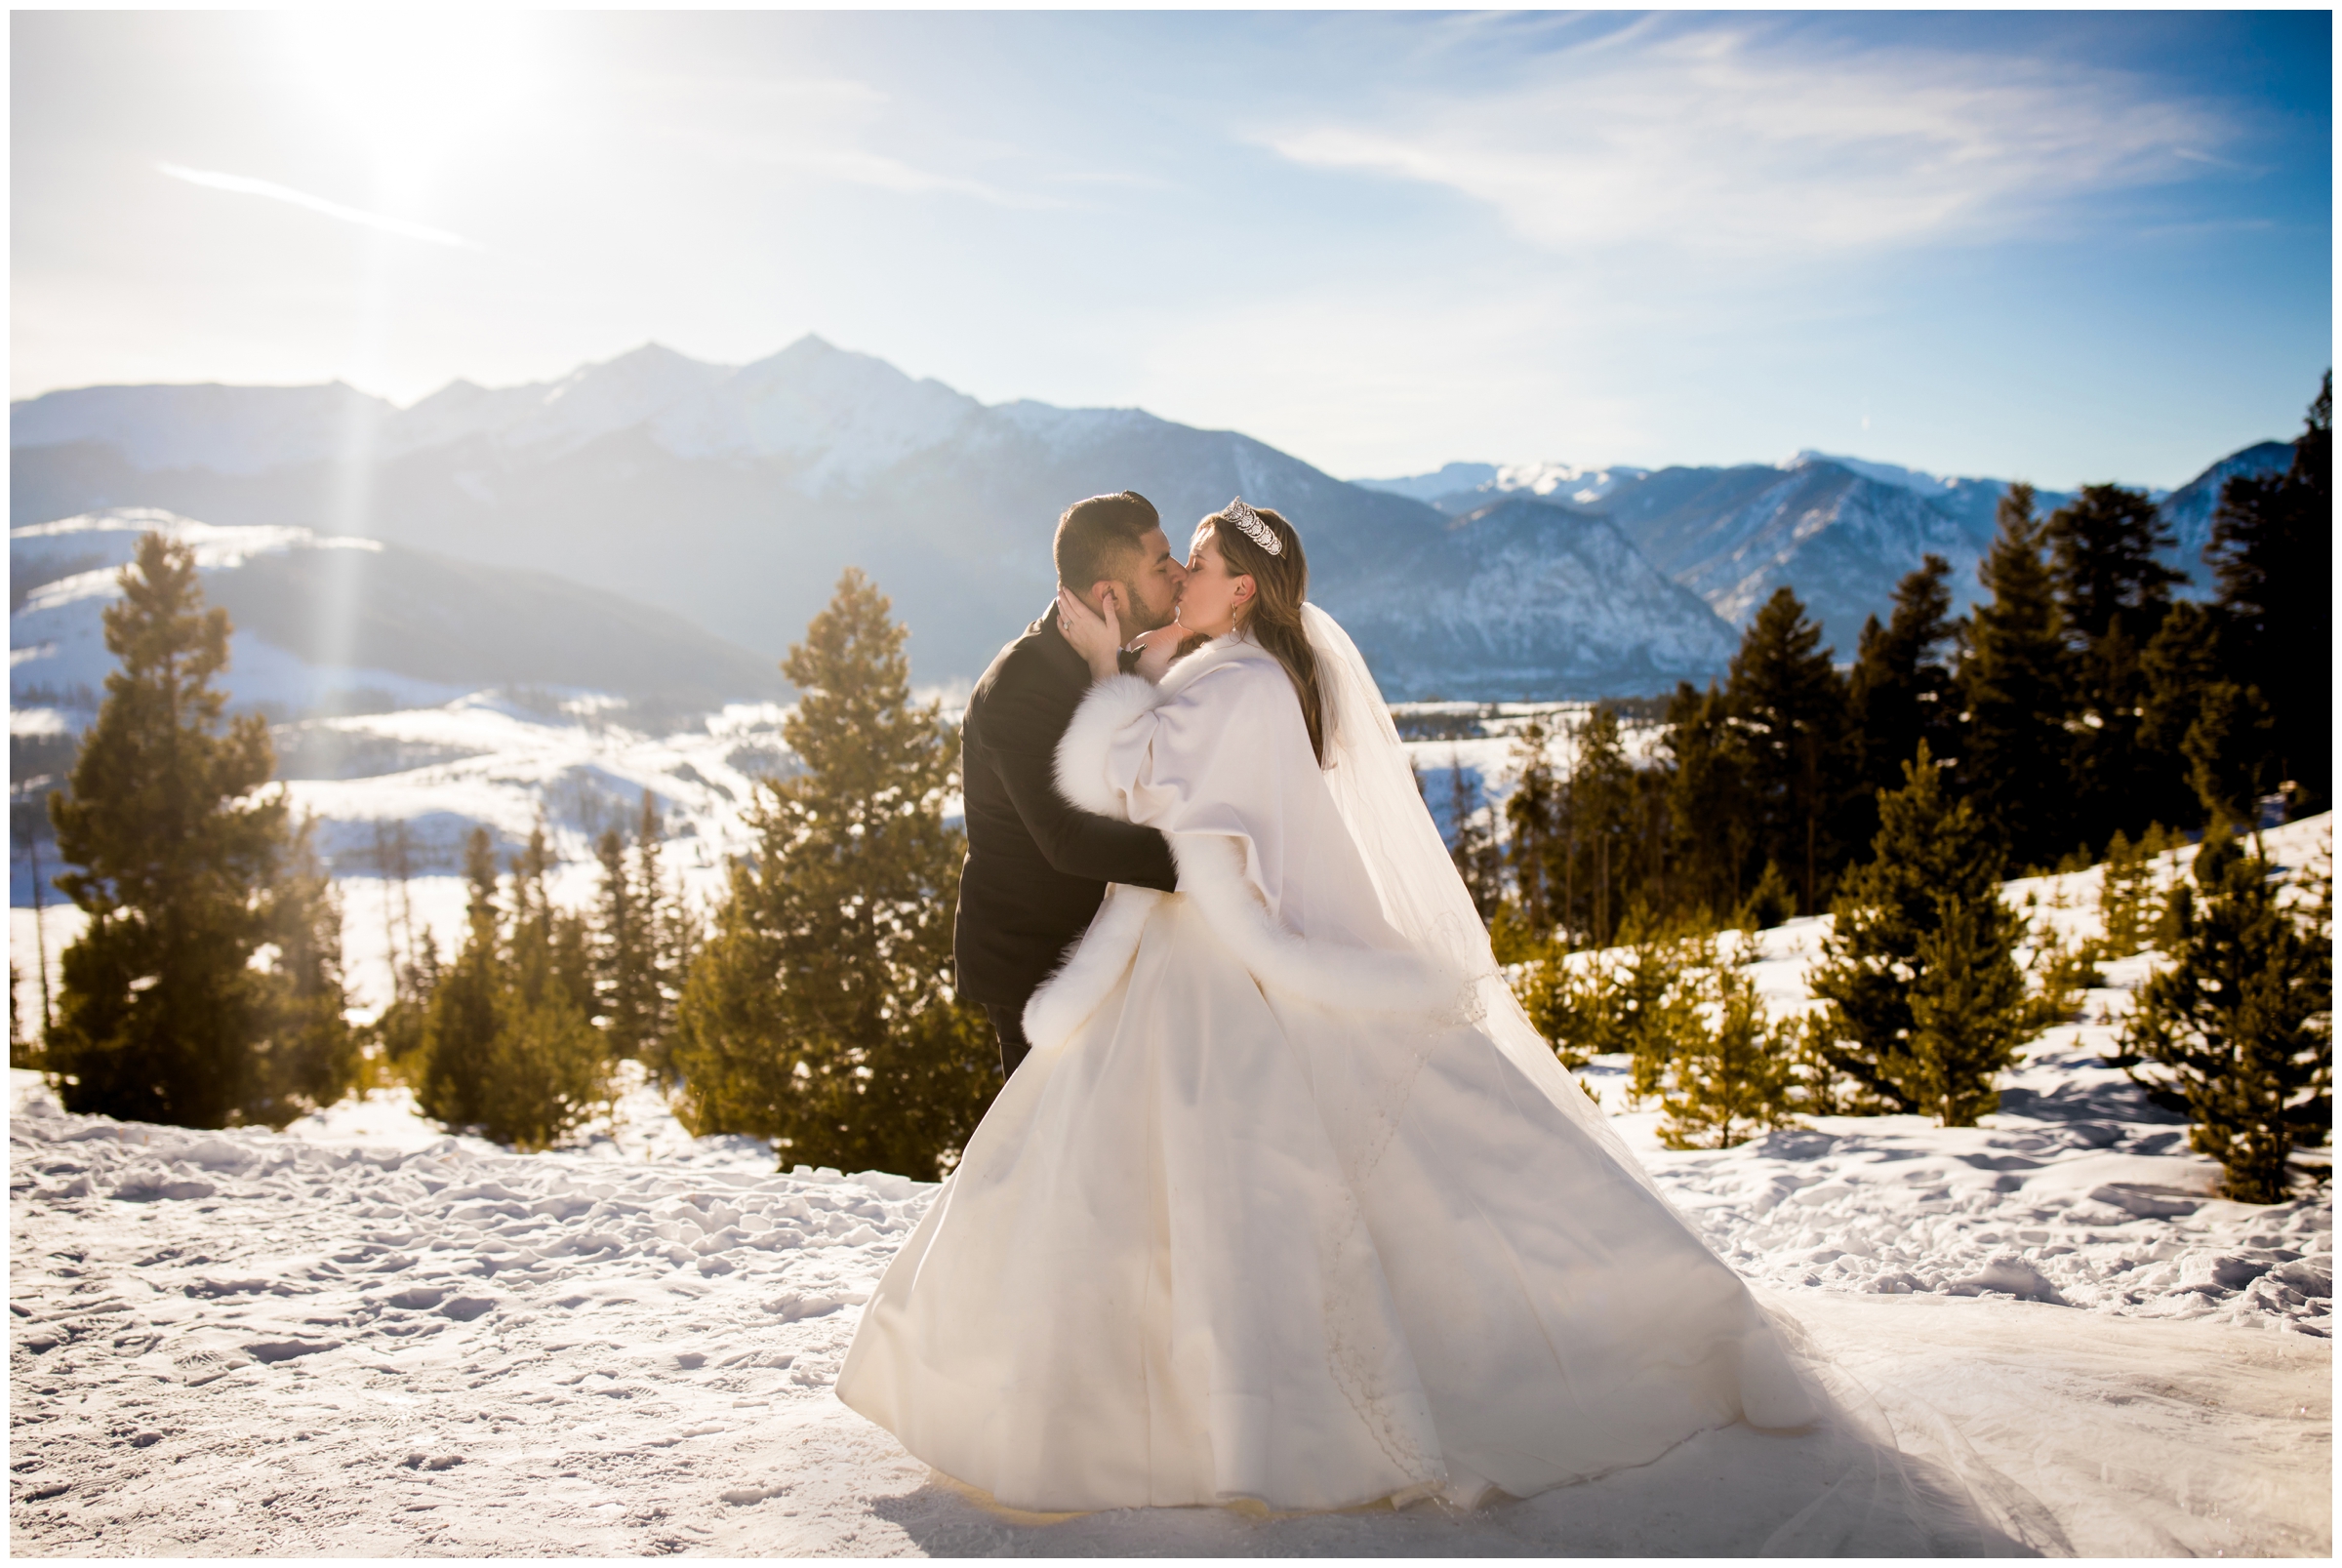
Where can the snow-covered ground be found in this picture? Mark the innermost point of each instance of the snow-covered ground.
(362, 1337)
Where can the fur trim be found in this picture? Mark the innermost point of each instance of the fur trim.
(1211, 871)
(1081, 751)
(1093, 962)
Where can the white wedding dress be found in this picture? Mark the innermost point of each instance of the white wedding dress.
(1290, 1204)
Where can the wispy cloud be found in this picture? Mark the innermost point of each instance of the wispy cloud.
(245, 185)
(818, 128)
(1724, 141)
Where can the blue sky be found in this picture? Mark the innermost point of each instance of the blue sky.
(2065, 247)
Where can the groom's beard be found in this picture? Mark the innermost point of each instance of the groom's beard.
(1141, 618)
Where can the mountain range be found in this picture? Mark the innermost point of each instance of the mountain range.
(731, 496)
(1838, 530)
(735, 496)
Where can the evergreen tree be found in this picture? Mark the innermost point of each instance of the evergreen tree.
(460, 1031)
(819, 1013)
(22, 1053)
(2132, 905)
(2105, 550)
(1900, 693)
(1533, 814)
(1712, 820)
(1479, 859)
(1769, 903)
(2113, 594)
(2272, 555)
(1934, 869)
(306, 1055)
(1733, 1073)
(642, 937)
(2013, 682)
(1634, 1000)
(509, 1047)
(2182, 662)
(1597, 841)
(2239, 1030)
(1968, 1010)
(2230, 753)
(1789, 707)
(400, 1030)
(162, 1011)
(549, 1064)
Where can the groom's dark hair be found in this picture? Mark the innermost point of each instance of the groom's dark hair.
(1094, 535)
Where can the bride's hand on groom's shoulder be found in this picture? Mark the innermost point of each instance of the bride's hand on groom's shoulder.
(1097, 638)
(1159, 647)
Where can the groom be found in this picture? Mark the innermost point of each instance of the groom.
(1037, 867)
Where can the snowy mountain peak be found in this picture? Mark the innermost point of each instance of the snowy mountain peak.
(1457, 488)
(1563, 481)
(1886, 473)
(1446, 480)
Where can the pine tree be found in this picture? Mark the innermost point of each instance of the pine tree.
(459, 1031)
(1733, 1073)
(2113, 594)
(1933, 868)
(1768, 904)
(1968, 1010)
(1533, 814)
(307, 1055)
(2272, 555)
(1479, 859)
(510, 1046)
(1634, 1000)
(1711, 818)
(549, 1064)
(20, 1053)
(2130, 895)
(179, 854)
(820, 1011)
(674, 935)
(1900, 693)
(2012, 680)
(624, 954)
(2238, 1030)
(1599, 841)
(1790, 706)
(2230, 749)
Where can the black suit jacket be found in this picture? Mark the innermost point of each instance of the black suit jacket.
(1038, 866)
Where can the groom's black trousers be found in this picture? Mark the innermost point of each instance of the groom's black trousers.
(1008, 1022)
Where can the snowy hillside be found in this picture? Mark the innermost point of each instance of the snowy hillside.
(360, 1334)
(1552, 603)
(324, 622)
(484, 760)
(736, 495)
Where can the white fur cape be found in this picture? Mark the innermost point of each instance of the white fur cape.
(1218, 758)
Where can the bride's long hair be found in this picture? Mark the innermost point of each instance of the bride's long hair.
(1279, 584)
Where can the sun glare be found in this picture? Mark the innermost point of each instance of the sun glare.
(415, 87)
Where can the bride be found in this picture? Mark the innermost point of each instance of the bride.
(1290, 1205)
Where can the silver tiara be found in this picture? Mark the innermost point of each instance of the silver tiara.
(1260, 532)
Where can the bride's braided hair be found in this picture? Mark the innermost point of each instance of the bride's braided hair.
(1273, 618)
